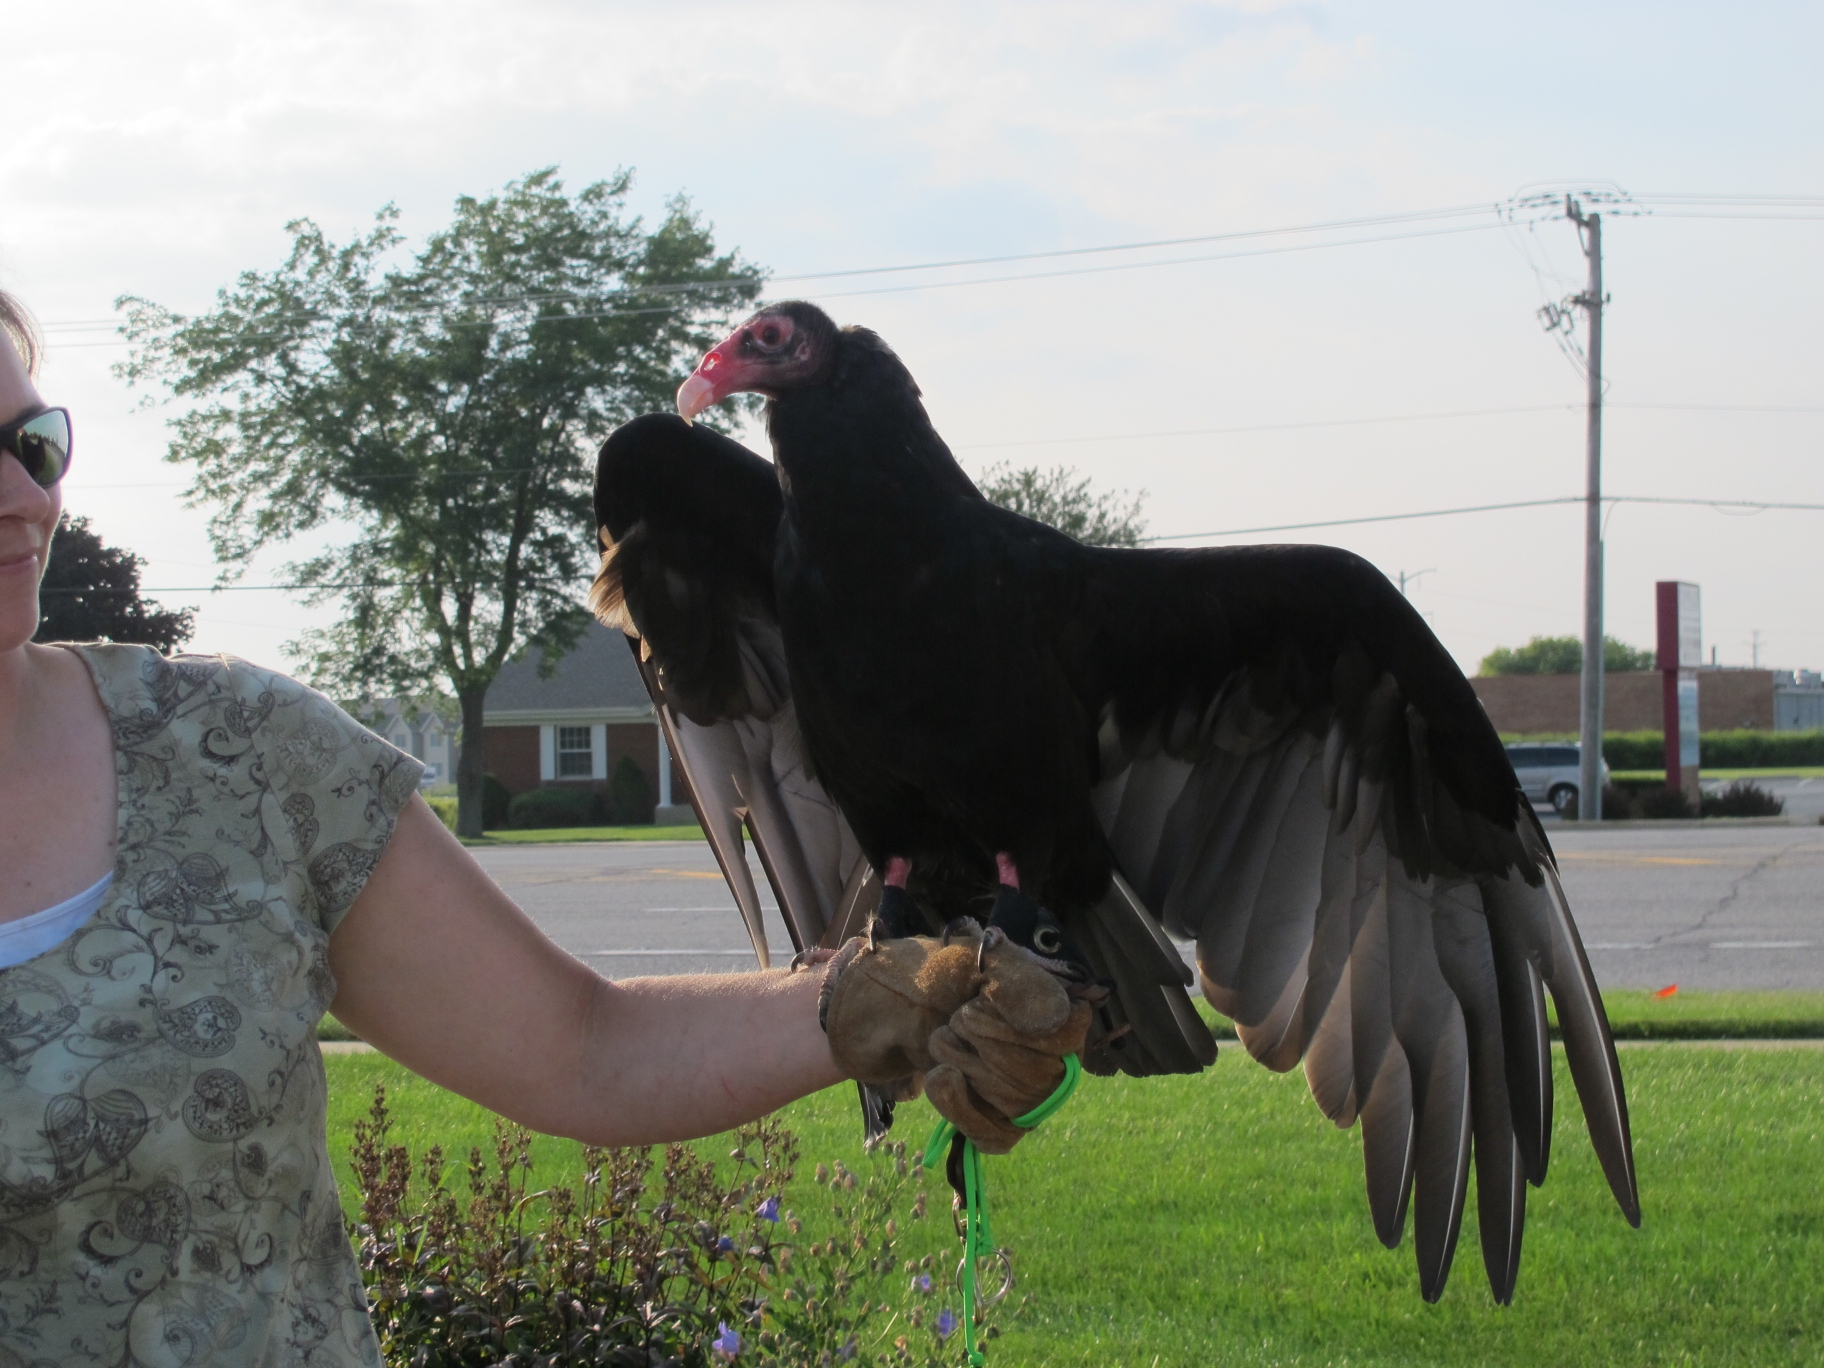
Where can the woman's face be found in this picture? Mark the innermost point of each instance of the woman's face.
(28, 514)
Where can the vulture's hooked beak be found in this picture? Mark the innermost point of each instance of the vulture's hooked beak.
(713, 380)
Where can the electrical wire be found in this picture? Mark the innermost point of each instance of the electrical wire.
(1758, 505)
(1516, 211)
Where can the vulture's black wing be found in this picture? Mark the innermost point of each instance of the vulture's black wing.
(1294, 773)
(688, 519)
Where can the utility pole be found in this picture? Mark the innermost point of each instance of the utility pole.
(1412, 577)
(1589, 778)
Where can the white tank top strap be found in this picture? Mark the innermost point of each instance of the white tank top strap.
(29, 937)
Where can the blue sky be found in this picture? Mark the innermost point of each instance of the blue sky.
(178, 140)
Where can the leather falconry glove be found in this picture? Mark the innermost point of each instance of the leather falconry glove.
(972, 1017)
(884, 996)
(1002, 1052)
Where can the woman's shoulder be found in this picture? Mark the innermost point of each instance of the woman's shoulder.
(141, 681)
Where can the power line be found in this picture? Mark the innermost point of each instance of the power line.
(1757, 505)
(1515, 211)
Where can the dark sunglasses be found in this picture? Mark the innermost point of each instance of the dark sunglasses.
(41, 441)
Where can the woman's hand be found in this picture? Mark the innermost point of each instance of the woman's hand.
(436, 967)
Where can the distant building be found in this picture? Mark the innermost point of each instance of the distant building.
(1798, 700)
(574, 727)
(417, 730)
(1727, 699)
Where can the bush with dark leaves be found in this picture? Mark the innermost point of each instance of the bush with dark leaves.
(1743, 798)
(1663, 802)
(661, 1261)
(565, 805)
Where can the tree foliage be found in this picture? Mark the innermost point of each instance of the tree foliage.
(1562, 655)
(90, 592)
(1065, 500)
(433, 416)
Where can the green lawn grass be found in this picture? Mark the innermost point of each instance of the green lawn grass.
(569, 835)
(1689, 1014)
(1695, 1014)
(1220, 1220)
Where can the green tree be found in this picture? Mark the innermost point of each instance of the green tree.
(435, 415)
(1063, 499)
(1562, 655)
(90, 592)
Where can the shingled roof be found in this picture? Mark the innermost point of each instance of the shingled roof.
(598, 677)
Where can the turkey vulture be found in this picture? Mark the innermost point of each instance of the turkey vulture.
(862, 662)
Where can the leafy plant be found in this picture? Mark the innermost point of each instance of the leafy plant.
(1743, 798)
(496, 802)
(1562, 655)
(1065, 500)
(628, 801)
(566, 806)
(437, 410)
(90, 592)
(661, 1259)
(1663, 802)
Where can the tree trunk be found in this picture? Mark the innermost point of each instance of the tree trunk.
(471, 764)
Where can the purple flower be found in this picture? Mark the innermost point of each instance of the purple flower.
(946, 1324)
(725, 1245)
(769, 1210)
(727, 1344)
(922, 1282)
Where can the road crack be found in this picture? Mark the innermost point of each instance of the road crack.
(1728, 899)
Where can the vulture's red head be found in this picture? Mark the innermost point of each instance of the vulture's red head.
(783, 347)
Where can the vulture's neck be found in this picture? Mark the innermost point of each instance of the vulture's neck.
(858, 458)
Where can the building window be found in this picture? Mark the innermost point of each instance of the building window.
(575, 756)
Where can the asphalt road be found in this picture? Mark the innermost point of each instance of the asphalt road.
(1703, 907)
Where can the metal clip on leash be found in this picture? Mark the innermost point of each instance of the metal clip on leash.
(978, 1237)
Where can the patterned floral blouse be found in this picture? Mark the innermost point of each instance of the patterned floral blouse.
(166, 1196)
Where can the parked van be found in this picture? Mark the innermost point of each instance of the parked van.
(1550, 773)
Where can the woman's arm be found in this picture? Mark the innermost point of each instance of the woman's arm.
(436, 967)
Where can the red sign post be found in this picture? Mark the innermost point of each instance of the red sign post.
(1681, 651)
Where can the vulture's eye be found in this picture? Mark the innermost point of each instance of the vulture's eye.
(1047, 940)
(770, 335)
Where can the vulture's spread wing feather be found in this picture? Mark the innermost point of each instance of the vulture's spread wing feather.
(688, 521)
(1295, 775)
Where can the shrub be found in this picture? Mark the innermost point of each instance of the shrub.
(629, 799)
(1743, 798)
(1617, 805)
(495, 803)
(678, 1264)
(1761, 749)
(445, 808)
(1635, 750)
(1646, 750)
(1663, 802)
(567, 806)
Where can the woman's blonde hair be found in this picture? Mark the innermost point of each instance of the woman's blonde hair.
(17, 322)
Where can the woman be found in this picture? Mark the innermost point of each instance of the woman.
(197, 859)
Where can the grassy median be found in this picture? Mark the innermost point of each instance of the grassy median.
(1220, 1220)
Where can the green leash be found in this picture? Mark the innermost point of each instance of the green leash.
(978, 1237)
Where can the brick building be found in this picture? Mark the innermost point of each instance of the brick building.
(1531, 704)
(574, 727)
